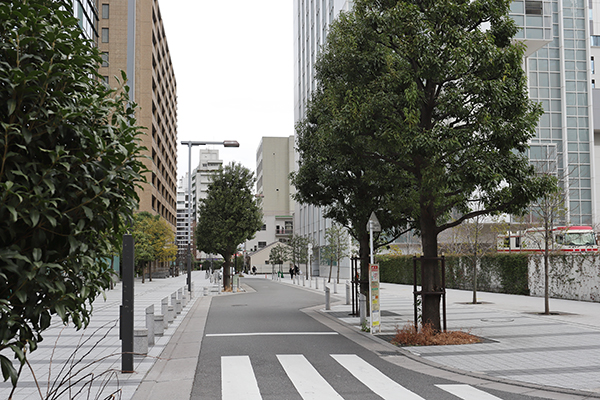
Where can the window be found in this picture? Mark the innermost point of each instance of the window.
(262, 245)
(105, 11)
(593, 65)
(105, 79)
(104, 35)
(533, 7)
(104, 56)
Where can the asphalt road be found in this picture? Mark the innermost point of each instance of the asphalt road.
(260, 345)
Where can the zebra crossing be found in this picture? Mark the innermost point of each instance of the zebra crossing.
(238, 380)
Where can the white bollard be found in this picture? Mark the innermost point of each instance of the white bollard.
(324, 283)
(150, 324)
(327, 298)
(362, 304)
(347, 293)
(317, 283)
(334, 286)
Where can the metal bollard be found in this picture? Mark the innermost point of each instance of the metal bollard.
(317, 283)
(303, 283)
(327, 298)
(362, 305)
(335, 286)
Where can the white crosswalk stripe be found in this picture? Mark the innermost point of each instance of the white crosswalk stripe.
(373, 378)
(238, 380)
(307, 380)
(466, 392)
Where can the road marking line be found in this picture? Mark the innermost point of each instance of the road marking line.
(374, 379)
(307, 380)
(269, 334)
(467, 392)
(237, 379)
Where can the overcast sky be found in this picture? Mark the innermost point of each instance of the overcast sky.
(233, 64)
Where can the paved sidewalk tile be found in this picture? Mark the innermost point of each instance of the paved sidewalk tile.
(92, 355)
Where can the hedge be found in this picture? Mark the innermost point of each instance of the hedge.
(502, 273)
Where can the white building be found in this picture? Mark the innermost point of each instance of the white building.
(311, 22)
(274, 163)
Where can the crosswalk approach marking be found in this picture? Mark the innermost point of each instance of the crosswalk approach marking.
(374, 379)
(307, 380)
(467, 392)
(237, 379)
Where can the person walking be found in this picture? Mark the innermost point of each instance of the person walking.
(292, 272)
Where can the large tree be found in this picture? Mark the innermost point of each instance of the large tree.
(434, 92)
(69, 164)
(229, 215)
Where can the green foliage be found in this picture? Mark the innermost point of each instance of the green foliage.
(298, 249)
(229, 215)
(279, 254)
(154, 239)
(432, 109)
(504, 273)
(68, 169)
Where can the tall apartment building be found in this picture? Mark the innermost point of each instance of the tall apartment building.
(274, 162)
(133, 39)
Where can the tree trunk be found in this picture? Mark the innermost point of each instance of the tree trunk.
(330, 269)
(430, 273)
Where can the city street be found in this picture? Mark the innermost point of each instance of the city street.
(260, 345)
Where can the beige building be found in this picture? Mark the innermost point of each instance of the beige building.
(274, 163)
(139, 47)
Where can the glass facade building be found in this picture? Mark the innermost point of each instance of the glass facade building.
(556, 33)
(87, 13)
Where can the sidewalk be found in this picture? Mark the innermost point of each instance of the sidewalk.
(97, 348)
(556, 351)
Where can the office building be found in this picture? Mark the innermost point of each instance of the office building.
(559, 69)
(274, 162)
(132, 39)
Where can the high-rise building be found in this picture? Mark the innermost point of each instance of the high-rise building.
(132, 39)
(86, 12)
(311, 24)
(559, 68)
(274, 162)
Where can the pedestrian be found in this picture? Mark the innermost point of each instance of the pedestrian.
(296, 270)
(292, 272)
(254, 269)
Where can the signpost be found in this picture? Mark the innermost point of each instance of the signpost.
(374, 297)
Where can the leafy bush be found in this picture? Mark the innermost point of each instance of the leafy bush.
(68, 169)
(505, 273)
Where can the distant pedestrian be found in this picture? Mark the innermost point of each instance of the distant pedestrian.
(292, 272)
(254, 269)
(296, 270)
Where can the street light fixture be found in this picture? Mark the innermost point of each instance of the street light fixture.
(190, 144)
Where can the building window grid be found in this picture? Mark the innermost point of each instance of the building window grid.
(545, 88)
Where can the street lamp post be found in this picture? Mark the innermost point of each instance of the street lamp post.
(190, 144)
